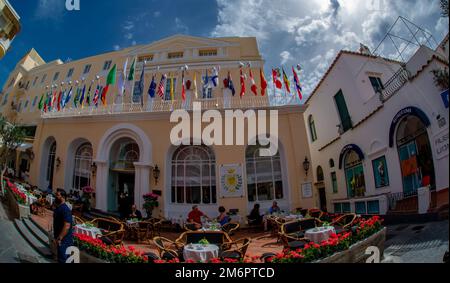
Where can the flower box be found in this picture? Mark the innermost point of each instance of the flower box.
(24, 211)
(357, 252)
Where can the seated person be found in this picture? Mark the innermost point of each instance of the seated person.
(255, 217)
(194, 217)
(135, 213)
(223, 218)
(274, 208)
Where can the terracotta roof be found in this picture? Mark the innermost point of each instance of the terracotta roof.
(342, 52)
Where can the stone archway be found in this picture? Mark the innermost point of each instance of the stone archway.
(47, 160)
(142, 167)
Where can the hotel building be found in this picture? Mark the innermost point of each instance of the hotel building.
(9, 26)
(126, 146)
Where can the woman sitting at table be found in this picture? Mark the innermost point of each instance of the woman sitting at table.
(135, 213)
(223, 218)
(255, 217)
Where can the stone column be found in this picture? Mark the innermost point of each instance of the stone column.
(101, 187)
(423, 197)
(141, 183)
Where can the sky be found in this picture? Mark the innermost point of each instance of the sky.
(289, 32)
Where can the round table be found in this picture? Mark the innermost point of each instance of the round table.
(200, 253)
(85, 230)
(319, 234)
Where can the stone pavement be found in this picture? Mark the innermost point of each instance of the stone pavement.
(417, 243)
(13, 248)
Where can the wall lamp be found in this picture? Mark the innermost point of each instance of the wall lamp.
(306, 164)
(156, 173)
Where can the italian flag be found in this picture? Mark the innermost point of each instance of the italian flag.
(110, 80)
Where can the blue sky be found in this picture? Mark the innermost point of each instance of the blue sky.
(289, 32)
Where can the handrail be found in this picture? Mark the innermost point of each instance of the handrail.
(394, 84)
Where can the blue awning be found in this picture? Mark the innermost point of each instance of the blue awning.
(408, 111)
(347, 148)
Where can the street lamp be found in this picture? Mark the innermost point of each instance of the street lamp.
(156, 173)
(306, 164)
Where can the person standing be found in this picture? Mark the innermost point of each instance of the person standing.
(62, 226)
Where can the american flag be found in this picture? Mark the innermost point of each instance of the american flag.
(162, 85)
(96, 95)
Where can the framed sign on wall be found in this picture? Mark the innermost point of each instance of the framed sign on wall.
(231, 181)
(307, 191)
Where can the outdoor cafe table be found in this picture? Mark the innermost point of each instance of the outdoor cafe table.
(86, 230)
(199, 252)
(319, 234)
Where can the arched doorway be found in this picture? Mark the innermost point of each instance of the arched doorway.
(47, 165)
(416, 158)
(123, 156)
(321, 189)
(354, 174)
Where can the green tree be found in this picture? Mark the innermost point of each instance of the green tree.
(11, 136)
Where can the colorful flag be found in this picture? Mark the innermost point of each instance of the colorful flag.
(131, 74)
(172, 96)
(76, 97)
(183, 86)
(54, 98)
(242, 84)
(97, 95)
(276, 78)
(41, 102)
(58, 106)
(141, 84)
(231, 84)
(215, 77)
(254, 88)
(152, 88)
(205, 85)
(287, 83)
(263, 82)
(297, 84)
(110, 80)
(195, 86)
(122, 79)
(82, 96)
(68, 96)
(88, 96)
(162, 86)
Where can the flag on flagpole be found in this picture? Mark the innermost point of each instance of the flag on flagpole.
(68, 96)
(58, 106)
(172, 95)
(195, 86)
(276, 78)
(152, 88)
(205, 84)
(263, 82)
(82, 96)
(254, 88)
(122, 80)
(162, 86)
(88, 96)
(141, 84)
(242, 84)
(53, 102)
(96, 95)
(231, 84)
(132, 69)
(215, 77)
(183, 87)
(41, 102)
(76, 97)
(287, 84)
(110, 80)
(297, 84)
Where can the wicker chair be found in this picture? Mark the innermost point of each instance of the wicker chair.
(229, 228)
(293, 233)
(167, 249)
(315, 213)
(78, 220)
(344, 222)
(112, 229)
(237, 249)
(219, 238)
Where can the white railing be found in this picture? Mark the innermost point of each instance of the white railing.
(161, 106)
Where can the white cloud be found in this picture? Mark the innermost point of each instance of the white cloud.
(311, 32)
(50, 9)
(156, 14)
(116, 47)
(180, 26)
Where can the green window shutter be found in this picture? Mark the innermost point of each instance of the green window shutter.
(343, 111)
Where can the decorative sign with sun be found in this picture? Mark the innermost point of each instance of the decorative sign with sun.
(231, 181)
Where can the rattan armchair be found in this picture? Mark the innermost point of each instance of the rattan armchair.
(236, 249)
(315, 213)
(344, 222)
(111, 229)
(78, 220)
(229, 228)
(167, 249)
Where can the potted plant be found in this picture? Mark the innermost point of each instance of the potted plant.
(150, 202)
(204, 242)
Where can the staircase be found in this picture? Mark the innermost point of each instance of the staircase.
(36, 236)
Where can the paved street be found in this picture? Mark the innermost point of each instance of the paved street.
(12, 244)
(417, 243)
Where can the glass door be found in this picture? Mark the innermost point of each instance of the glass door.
(411, 174)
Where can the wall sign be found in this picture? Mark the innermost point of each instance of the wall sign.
(307, 191)
(231, 181)
(441, 144)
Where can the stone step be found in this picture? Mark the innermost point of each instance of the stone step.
(43, 229)
(36, 231)
(32, 240)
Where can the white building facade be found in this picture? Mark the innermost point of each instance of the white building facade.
(378, 134)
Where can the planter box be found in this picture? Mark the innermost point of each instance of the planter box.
(357, 252)
(19, 211)
(24, 211)
(87, 258)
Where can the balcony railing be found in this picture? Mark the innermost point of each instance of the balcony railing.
(161, 106)
(395, 83)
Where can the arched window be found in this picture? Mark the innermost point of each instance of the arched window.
(320, 177)
(82, 169)
(51, 163)
(354, 174)
(193, 175)
(264, 176)
(128, 154)
(331, 163)
(312, 128)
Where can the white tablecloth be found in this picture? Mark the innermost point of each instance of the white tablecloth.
(89, 231)
(317, 235)
(50, 199)
(177, 220)
(132, 223)
(197, 252)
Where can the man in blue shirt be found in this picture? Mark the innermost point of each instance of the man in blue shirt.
(274, 208)
(62, 226)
